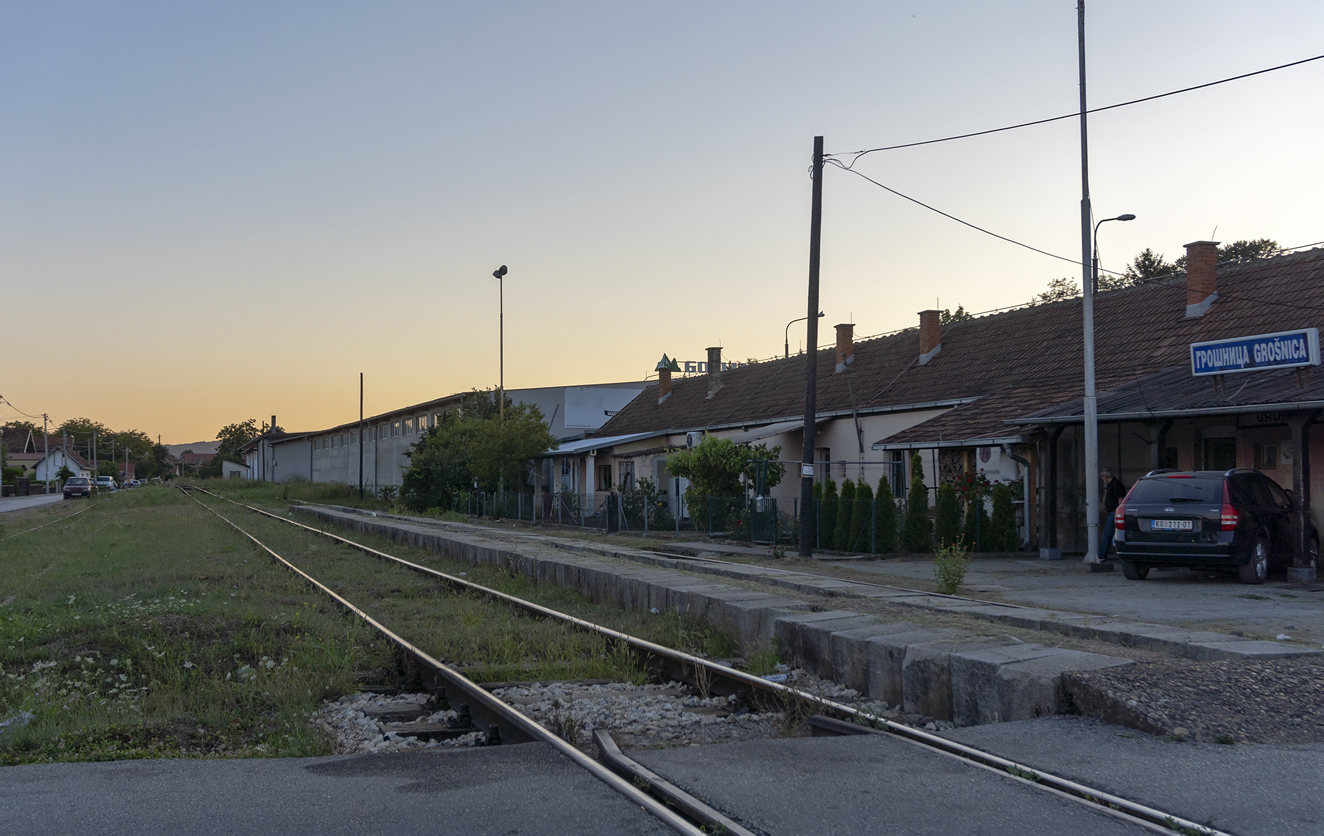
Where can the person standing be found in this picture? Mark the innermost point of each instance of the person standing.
(1113, 493)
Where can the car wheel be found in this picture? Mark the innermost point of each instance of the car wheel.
(1256, 569)
(1133, 571)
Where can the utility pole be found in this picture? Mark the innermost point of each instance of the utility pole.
(361, 438)
(1087, 308)
(46, 449)
(811, 359)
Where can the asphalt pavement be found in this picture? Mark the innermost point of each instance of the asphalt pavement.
(24, 503)
(530, 788)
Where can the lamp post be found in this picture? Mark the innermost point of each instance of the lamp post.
(500, 274)
(1091, 404)
(787, 334)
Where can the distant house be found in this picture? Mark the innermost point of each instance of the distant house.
(191, 462)
(231, 470)
(49, 465)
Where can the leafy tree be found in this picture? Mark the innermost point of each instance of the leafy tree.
(841, 538)
(885, 519)
(719, 467)
(1241, 251)
(919, 528)
(1002, 535)
(1058, 290)
(827, 510)
(1147, 265)
(861, 519)
(105, 468)
(947, 517)
(472, 443)
(63, 473)
(233, 437)
(948, 316)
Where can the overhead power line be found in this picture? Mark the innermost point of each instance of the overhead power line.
(855, 155)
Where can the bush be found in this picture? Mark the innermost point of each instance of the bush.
(827, 510)
(861, 523)
(1002, 535)
(947, 517)
(919, 528)
(949, 565)
(841, 538)
(977, 528)
(885, 520)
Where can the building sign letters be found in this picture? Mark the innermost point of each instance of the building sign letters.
(1281, 350)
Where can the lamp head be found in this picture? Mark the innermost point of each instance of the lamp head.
(1126, 217)
(499, 272)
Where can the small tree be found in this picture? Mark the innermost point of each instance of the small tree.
(841, 538)
(919, 528)
(827, 522)
(1002, 534)
(63, 473)
(977, 526)
(885, 520)
(947, 517)
(861, 522)
(816, 512)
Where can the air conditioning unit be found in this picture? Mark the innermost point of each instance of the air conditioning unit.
(692, 440)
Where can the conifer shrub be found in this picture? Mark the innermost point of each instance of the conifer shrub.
(886, 534)
(827, 521)
(1002, 534)
(919, 528)
(947, 517)
(978, 529)
(845, 510)
(861, 521)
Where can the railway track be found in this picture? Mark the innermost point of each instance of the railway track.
(505, 723)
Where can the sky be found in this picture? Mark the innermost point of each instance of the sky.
(220, 211)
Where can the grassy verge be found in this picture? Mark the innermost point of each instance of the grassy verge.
(146, 627)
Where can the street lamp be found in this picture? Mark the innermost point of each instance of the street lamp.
(1091, 404)
(499, 274)
(787, 334)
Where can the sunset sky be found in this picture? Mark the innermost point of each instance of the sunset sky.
(217, 211)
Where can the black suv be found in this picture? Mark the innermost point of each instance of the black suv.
(1204, 519)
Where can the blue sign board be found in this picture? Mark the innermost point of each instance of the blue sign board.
(1282, 350)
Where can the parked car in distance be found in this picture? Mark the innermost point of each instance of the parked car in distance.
(105, 483)
(133, 483)
(77, 486)
(1207, 519)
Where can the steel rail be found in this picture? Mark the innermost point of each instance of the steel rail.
(512, 716)
(1125, 809)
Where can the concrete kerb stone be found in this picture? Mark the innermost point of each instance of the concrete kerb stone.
(806, 638)
(887, 656)
(1015, 682)
(926, 674)
(851, 650)
(1246, 649)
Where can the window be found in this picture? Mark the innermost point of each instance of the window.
(334, 442)
(896, 473)
(627, 475)
(409, 426)
(823, 468)
(395, 429)
(344, 439)
(604, 477)
(1266, 456)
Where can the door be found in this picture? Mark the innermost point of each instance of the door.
(1220, 453)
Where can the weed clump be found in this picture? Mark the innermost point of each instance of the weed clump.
(949, 565)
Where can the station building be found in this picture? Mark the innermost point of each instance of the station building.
(1002, 395)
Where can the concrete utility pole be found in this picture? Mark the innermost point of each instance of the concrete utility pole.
(811, 359)
(1087, 306)
(361, 438)
(46, 450)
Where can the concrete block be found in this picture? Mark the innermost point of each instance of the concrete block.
(805, 638)
(1178, 642)
(887, 654)
(1015, 682)
(1024, 617)
(1248, 649)
(752, 620)
(851, 651)
(926, 675)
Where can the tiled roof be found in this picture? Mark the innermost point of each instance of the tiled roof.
(1035, 350)
(981, 421)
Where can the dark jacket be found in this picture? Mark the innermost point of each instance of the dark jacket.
(1112, 496)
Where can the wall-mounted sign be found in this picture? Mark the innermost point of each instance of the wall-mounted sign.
(1282, 350)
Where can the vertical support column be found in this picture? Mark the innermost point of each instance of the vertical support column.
(1303, 568)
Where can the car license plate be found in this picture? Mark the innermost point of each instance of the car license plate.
(1171, 525)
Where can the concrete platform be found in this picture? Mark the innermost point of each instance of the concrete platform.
(530, 788)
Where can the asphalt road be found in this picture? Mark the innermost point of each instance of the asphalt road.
(23, 503)
(529, 788)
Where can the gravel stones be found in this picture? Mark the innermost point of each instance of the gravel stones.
(1271, 701)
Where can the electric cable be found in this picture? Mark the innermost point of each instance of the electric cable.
(855, 155)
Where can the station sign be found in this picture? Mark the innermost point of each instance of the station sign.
(1280, 350)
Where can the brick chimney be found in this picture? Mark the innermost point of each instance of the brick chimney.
(714, 370)
(663, 370)
(930, 335)
(1201, 277)
(845, 346)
